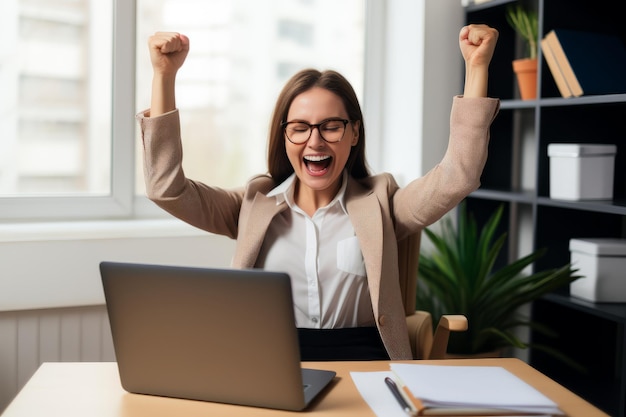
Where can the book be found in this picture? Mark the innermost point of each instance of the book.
(555, 69)
(469, 390)
(591, 63)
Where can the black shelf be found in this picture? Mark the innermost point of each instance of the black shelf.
(560, 101)
(599, 206)
(517, 175)
(597, 333)
(518, 104)
(502, 195)
(610, 311)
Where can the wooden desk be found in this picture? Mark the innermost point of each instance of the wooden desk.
(93, 389)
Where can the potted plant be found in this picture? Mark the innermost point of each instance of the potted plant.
(525, 23)
(457, 277)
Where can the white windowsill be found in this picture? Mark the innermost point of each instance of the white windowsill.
(97, 229)
(52, 265)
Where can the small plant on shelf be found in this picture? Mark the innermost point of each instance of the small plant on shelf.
(525, 23)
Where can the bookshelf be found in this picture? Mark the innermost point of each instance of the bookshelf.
(517, 176)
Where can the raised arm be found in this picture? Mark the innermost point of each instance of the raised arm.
(209, 208)
(426, 199)
(168, 51)
(477, 43)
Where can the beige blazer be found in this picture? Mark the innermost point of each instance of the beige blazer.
(381, 212)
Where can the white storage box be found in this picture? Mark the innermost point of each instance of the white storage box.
(581, 171)
(602, 266)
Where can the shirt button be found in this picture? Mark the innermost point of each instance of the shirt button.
(315, 320)
(381, 320)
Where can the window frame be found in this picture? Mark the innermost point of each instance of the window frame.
(122, 203)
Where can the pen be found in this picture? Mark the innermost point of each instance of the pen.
(396, 393)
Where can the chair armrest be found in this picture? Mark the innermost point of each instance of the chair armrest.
(448, 323)
(420, 326)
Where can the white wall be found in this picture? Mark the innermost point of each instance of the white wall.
(422, 72)
(443, 76)
(56, 265)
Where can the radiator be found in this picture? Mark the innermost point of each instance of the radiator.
(29, 338)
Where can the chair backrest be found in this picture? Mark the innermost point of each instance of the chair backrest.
(424, 344)
(408, 261)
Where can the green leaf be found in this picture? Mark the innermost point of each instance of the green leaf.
(526, 24)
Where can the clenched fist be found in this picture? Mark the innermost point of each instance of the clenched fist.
(168, 51)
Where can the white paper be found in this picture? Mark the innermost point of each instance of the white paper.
(472, 387)
(376, 394)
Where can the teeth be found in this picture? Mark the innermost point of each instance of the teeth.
(316, 158)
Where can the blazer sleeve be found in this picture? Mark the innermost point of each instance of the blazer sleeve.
(426, 199)
(212, 209)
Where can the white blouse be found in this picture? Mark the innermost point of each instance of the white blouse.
(322, 256)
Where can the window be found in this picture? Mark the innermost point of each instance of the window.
(240, 57)
(301, 33)
(62, 148)
(71, 86)
(53, 125)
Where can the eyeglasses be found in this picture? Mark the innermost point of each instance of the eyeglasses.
(331, 130)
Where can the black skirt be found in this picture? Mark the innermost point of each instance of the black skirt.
(349, 344)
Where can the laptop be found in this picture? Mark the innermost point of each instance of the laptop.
(220, 335)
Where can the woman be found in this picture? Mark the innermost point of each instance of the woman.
(318, 214)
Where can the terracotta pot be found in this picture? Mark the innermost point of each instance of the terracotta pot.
(526, 71)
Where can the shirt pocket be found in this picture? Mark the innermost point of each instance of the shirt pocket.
(350, 257)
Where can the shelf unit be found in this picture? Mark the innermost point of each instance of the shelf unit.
(517, 176)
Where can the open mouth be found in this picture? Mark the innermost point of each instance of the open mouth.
(317, 164)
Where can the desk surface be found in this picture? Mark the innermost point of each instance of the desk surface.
(93, 389)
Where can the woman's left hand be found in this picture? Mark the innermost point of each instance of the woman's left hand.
(477, 43)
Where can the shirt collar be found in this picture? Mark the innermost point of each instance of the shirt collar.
(284, 192)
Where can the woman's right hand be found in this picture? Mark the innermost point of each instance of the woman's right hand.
(168, 51)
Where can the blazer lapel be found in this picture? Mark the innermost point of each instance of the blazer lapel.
(251, 234)
(364, 211)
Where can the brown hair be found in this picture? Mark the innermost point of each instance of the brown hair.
(278, 163)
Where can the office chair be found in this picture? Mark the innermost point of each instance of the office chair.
(424, 344)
